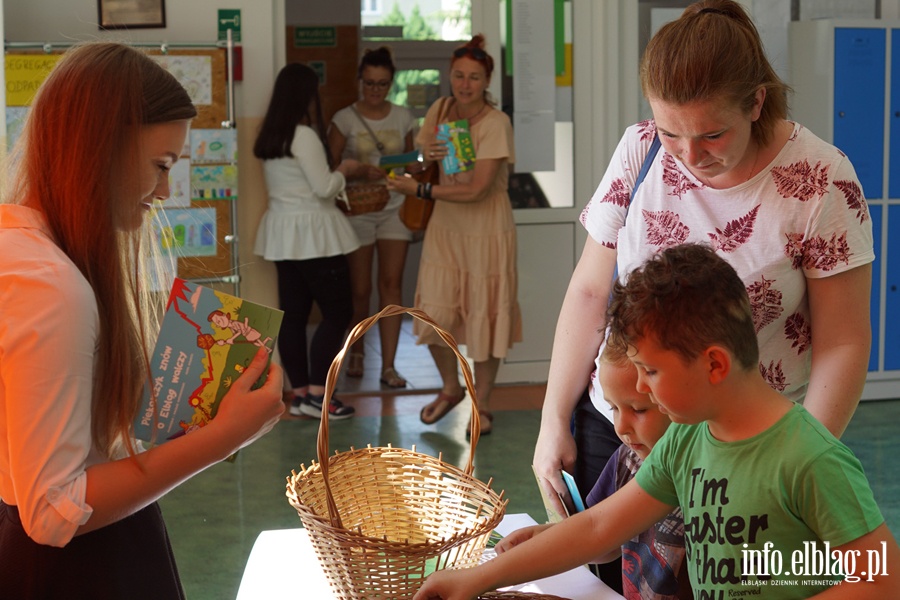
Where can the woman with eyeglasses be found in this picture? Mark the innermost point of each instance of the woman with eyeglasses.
(366, 130)
(467, 274)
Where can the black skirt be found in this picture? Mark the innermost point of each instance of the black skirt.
(131, 559)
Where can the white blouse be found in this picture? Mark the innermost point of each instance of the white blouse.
(302, 221)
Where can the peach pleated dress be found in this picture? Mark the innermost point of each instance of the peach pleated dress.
(467, 274)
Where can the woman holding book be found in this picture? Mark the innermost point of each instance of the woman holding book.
(467, 275)
(78, 516)
(368, 130)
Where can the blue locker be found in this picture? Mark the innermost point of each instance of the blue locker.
(894, 119)
(892, 294)
(859, 85)
(875, 211)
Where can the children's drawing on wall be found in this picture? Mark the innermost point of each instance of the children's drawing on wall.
(217, 182)
(193, 72)
(213, 146)
(179, 185)
(187, 231)
(15, 121)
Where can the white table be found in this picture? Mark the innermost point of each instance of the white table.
(283, 564)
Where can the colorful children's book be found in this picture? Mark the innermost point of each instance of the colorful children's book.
(398, 161)
(206, 341)
(461, 150)
(559, 507)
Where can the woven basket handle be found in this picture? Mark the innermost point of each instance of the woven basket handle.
(331, 381)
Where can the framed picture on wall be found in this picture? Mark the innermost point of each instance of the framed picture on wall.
(131, 14)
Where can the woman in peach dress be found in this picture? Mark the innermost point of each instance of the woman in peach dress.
(467, 274)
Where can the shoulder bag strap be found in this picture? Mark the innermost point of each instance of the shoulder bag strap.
(645, 166)
(378, 143)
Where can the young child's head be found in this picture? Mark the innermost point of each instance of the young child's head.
(637, 419)
(672, 310)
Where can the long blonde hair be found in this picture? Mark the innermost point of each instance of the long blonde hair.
(78, 153)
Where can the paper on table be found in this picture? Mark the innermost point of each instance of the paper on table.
(277, 552)
(577, 584)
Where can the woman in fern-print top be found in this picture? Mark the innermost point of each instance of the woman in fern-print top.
(782, 206)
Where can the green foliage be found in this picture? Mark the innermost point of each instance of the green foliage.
(416, 28)
(395, 17)
(403, 79)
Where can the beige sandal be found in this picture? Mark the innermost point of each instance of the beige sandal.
(391, 378)
(438, 408)
(355, 364)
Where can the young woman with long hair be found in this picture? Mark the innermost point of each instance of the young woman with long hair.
(78, 517)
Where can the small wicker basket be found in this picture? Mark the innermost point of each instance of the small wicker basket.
(382, 519)
(362, 198)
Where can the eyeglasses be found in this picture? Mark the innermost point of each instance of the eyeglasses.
(383, 84)
(477, 53)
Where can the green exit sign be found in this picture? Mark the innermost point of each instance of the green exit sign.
(315, 37)
(229, 19)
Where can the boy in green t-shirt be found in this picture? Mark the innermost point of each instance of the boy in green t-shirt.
(774, 505)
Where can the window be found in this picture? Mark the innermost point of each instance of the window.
(447, 20)
(371, 7)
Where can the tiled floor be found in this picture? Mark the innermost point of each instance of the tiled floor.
(413, 362)
(214, 519)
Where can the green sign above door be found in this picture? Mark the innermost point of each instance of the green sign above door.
(315, 37)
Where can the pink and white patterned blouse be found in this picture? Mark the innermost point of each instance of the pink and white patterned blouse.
(803, 216)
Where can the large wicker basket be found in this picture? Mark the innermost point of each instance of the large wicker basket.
(382, 519)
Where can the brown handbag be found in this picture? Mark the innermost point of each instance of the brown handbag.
(415, 212)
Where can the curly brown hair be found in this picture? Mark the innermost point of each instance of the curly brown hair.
(686, 298)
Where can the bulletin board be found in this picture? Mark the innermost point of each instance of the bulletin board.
(198, 217)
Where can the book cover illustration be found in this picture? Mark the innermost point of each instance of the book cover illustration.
(559, 507)
(460, 149)
(206, 341)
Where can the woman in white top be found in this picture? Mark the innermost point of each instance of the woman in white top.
(305, 235)
(366, 130)
(79, 517)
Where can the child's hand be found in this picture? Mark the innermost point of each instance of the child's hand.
(518, 536)
(246, 415)
(463, 584)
